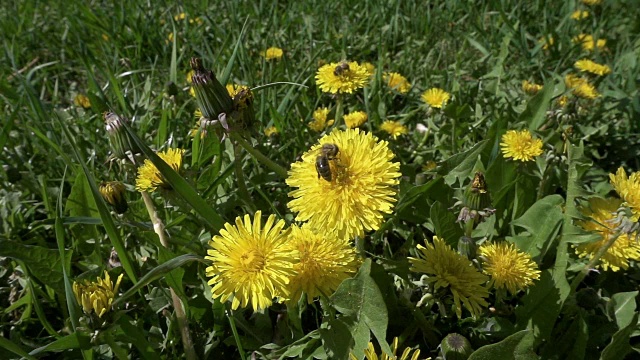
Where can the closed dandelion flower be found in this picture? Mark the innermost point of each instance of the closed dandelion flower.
(397, 82)
(251, 264)
(324, 262)
(589, 43)
(580, 15)
(342, 78)
(361, 190)
(82, 101)
(589, 66)
(531, 88)
(355, 119)
(272, 53)
(436, 97)
(96, 297)
(508, 267)
(394, 128)
(370, 353)
(448, 269)
(169, 38)
(629, 190)
(625, 248)
(270, 131)
(520, 145)
(149, 177)
(320, 121)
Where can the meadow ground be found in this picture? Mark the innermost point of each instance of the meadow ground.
(319, 179)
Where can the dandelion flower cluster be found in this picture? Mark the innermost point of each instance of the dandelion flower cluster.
(509, 268)
(324, 262)
(625, 248)
(394, 128)
(82, 101)
(355, 119)
(320, 121)
(448, 269)
(589, 66)
(629, 190)
(252, 264)
(436, 97)
(96, 297)
(580, 15)
(530, 88)
(520, 145)
(149, 177)
(272, 53)
(370, 353)
(342, 78)
(397, 82)
(360, 192)
(589, 43)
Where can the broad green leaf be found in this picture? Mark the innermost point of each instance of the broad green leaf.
(540, 306)
(535, 113)
(174, 277)
(337, 339)
(444, 223)
(459, 166)
(136, 336)
(518, 346)
(74, 341)
(619, 346)
(14, 348)
(622, 307)
(80, 202)
(542, 221)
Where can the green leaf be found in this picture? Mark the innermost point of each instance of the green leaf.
(137, 337)
(337, 339)
(459, 166)
(74, 341)
(622, 307)
(174, 277)
(444, 223)
(518, 346)
(619, 346)
(535, 113)
(542, 221)
(12, 347)
(540, 306)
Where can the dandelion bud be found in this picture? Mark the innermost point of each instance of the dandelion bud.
(455, 347)
(113, 193)
(96, 297)
(213, 98)
(476, 196)
(467, 247)
(118, 137)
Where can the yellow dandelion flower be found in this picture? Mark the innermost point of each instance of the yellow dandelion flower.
(592, 2)
(96, 297)
(586, 91)
(589, 66)
(429, 165)
(355, 119)
(370, 353)
(190, 76)
(192, 91)
(520, 145)
(82, 101)
(320, 121)
(580, 15)
(105, 37)
(546, 42)
(508, 267)
(436, 97)
(250, 264)
(342, 78)
(324, 262)
(589, 43)
(169, 38)
(371, 69)
(629, 190)
(235, 89)
(624, 248)
(197, 20)
(149, 178)
(394, 128)
(271, 130)
(530, 88)
(272, 53)
(361, 191)
(448, 269)
(562, 101)
(397, 82)
(180, 16)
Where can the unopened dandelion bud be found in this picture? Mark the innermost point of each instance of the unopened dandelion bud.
(118, 136)
(476, 196)
(113, 192)
(455, 347)
(96, 297)
(213, 98)
(467, 247)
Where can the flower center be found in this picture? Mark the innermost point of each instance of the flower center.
(252, 261)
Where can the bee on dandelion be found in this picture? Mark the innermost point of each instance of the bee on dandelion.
(342, 78)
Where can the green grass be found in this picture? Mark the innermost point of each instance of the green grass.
(55, 153)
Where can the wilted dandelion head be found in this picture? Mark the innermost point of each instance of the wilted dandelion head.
(371, 354)
(530, 88)
(361, 190)
(625, 248)
(448, 269)
(96, 297)
(342, 77)
(320, 121)
(520, 145)
(394, 128)
(436, 97)
(629, 190)
(508, 267)
(397, 82)
(589, 66)
(272, 53)
(251, 264)
(355, 119)
(149, 177)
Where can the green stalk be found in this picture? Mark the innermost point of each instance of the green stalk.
(593, 262)
(454, 143)
(242, 185)
(279, 170)
(232, 322)
(339, 110)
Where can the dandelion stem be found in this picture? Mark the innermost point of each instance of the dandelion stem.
(339, 110)
(232, 322)
(594, 261)
(279, 170)
(158, 226)
(242, 185)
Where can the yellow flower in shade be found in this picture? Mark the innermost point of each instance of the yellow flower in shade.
(394, 128)
(250, 264)
(96, 297)
(592, 2)
(197, 20)
(342, 78)
(272, 53)
(234, 89)
(370, 353)
(448, 269)
(190, 76)
(624, 248)
(589, 66)
(520, 145)
(105, 37)
(320, 121)
(580, 87)
(397, 82)
(546, 42)
(362, 188)
(589, 43)
(429, 165)
(271, 130)
(436, 97)
(580, 15)
(149, 178)
(81, 100)
(629, 190)
(562, 101)
(531, 88)
(324, 261)
(508, 267)
(179, 17)
(370, 68)
(355, 119)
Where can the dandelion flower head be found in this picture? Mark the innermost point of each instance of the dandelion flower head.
(235, 89)
(629, 190)
(320, 121)
(342, 77)
(370, 67)
(96, 297)
(149, 177)
(546, 42)
(355, 119)
(448, 269)
(508, 267)
(592, 67)
(580, 87)
(397, 82)
(272, 53)
(592, 2)
(520, 145)
(370, 353)
(436, 97)
(530, 88)
(589, 43)
(82, 101)
(270, 131)
(362, 188)
(580, 15)
(251, 264)
(394, 128)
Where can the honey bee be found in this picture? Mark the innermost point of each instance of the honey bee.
(327, 152)
(341, 68)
